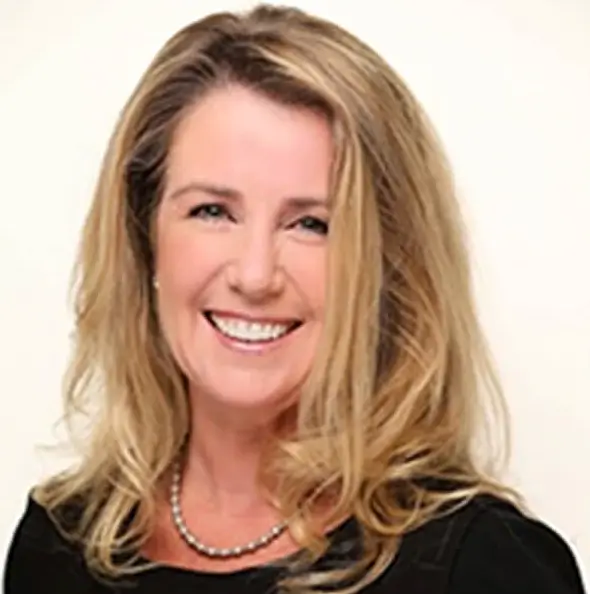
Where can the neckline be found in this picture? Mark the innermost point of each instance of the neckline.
(271, 567)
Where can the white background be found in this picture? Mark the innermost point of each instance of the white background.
(507, 83)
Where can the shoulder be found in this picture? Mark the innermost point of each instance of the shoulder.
(40, 559)
(506, 551)
(489, 546)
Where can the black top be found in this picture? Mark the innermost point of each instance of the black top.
(487, 547)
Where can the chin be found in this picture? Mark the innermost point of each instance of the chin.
(244, 393)
(226, 376)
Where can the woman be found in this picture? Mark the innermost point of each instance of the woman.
(276, 335)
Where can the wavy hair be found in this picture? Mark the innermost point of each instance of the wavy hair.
(392, 422)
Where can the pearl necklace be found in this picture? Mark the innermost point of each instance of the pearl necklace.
(197, 545)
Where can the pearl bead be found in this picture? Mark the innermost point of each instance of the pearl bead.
(209, 551)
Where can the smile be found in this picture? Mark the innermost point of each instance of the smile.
(250, 331)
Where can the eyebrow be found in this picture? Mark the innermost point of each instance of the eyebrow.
(296, 202)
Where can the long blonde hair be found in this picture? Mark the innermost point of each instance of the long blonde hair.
(391, 421)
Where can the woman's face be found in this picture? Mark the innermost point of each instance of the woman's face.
(241, 247)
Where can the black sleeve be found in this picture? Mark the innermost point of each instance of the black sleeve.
(504, 552)
(40, 561)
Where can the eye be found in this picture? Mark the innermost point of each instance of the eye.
(313, 224)
(209, 211)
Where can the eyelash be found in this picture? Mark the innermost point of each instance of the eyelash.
(307, 223)
(203, 211)
(317, 225)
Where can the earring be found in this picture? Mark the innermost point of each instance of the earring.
(155, 283)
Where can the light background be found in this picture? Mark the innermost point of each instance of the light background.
(507, 82)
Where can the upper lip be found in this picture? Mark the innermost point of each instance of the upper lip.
(288, 321)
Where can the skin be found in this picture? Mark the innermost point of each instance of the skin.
(241, 232)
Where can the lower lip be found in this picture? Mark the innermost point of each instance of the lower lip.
(255, 348)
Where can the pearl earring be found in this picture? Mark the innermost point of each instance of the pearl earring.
(156, 283)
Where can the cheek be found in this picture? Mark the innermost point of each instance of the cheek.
(309, 274)
(317, 287)
(183, 262)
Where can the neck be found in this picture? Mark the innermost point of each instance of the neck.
(223, 457)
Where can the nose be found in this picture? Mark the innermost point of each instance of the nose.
(255, 271)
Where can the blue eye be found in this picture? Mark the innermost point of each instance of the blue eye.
(208, 211)
(313, 224)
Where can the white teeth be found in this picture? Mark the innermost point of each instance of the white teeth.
(250, 331)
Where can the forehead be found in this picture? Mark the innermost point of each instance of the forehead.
(237, 138)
